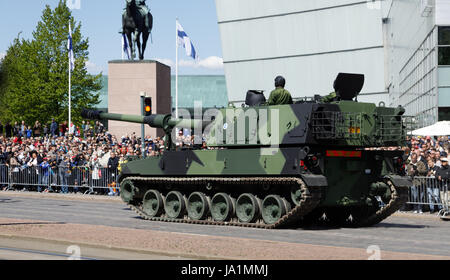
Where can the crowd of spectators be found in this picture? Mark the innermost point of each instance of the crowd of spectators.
(427, 157)
(58, 150)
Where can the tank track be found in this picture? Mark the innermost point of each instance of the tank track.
(311, 198)
(399, 196)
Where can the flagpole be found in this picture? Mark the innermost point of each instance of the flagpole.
(70, 96)
(176, 69)
(70, 88)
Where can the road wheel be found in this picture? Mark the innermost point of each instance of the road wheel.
(153, 203)
(222, 207)
(175, 205)
(248, 208)
(198, 206)
(298, 194)
(273, 208)
(127, 191)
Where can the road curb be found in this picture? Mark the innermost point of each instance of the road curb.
(124, 249)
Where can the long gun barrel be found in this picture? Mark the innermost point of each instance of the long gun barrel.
(166, 122)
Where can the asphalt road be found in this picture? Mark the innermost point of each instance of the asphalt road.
(399, 233)
(13, 248)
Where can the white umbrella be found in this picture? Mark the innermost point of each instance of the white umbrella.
(438, 129)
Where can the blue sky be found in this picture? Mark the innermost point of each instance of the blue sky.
(101, 22)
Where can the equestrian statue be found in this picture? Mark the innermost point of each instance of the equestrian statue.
(136, 21)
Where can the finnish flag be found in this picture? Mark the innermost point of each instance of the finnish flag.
(70, 48)
(125, 47)
(185, 41)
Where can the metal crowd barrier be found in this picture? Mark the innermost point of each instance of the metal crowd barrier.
(4, 175)
(427, 192)
(431, 193)
(59, 178)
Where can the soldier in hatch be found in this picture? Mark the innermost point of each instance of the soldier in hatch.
(330, 98)
(279, 95)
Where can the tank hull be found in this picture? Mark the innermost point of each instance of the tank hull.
(340, 184)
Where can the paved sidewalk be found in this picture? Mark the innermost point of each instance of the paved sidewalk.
(191, 246)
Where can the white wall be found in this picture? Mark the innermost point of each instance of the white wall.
(442, 12)
(308, 42)
(244, 9)
(305, 76)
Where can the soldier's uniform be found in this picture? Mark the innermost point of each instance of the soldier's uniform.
(279, 96)
(329, 98)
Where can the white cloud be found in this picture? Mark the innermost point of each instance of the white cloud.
(166, 61)
(93, 68)
(212, 62)
(187, 63)
(2, 55)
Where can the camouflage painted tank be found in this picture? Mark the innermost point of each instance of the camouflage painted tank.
(275, 166)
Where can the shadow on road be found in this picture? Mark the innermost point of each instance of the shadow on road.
(8, 200)
(324, 227)
(386, 225)
(37, 223)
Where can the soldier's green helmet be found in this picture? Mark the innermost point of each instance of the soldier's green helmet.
(280, 81)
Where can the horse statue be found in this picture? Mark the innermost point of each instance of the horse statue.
(136, 21)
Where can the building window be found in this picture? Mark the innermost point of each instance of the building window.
(444, 55)
(444, 45)
(444, 36)
(444, 113)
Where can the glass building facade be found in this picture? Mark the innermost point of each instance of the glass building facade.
(418, 48)
(417, 79)
(211, 91)
(444, 72)
(103, 95)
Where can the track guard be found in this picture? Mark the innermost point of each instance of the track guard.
(314, 180)
(400, 181)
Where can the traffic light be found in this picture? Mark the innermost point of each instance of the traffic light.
(147, 106)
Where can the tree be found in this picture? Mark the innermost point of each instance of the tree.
(34, 73)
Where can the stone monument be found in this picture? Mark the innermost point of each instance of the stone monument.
(126, 80)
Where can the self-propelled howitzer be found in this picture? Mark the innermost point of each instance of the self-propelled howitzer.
(275, 166)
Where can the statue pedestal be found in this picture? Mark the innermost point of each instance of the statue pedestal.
(126, 80)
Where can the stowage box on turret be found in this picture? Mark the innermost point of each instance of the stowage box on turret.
(275, 166)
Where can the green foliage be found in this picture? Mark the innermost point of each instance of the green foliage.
(34, 74)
